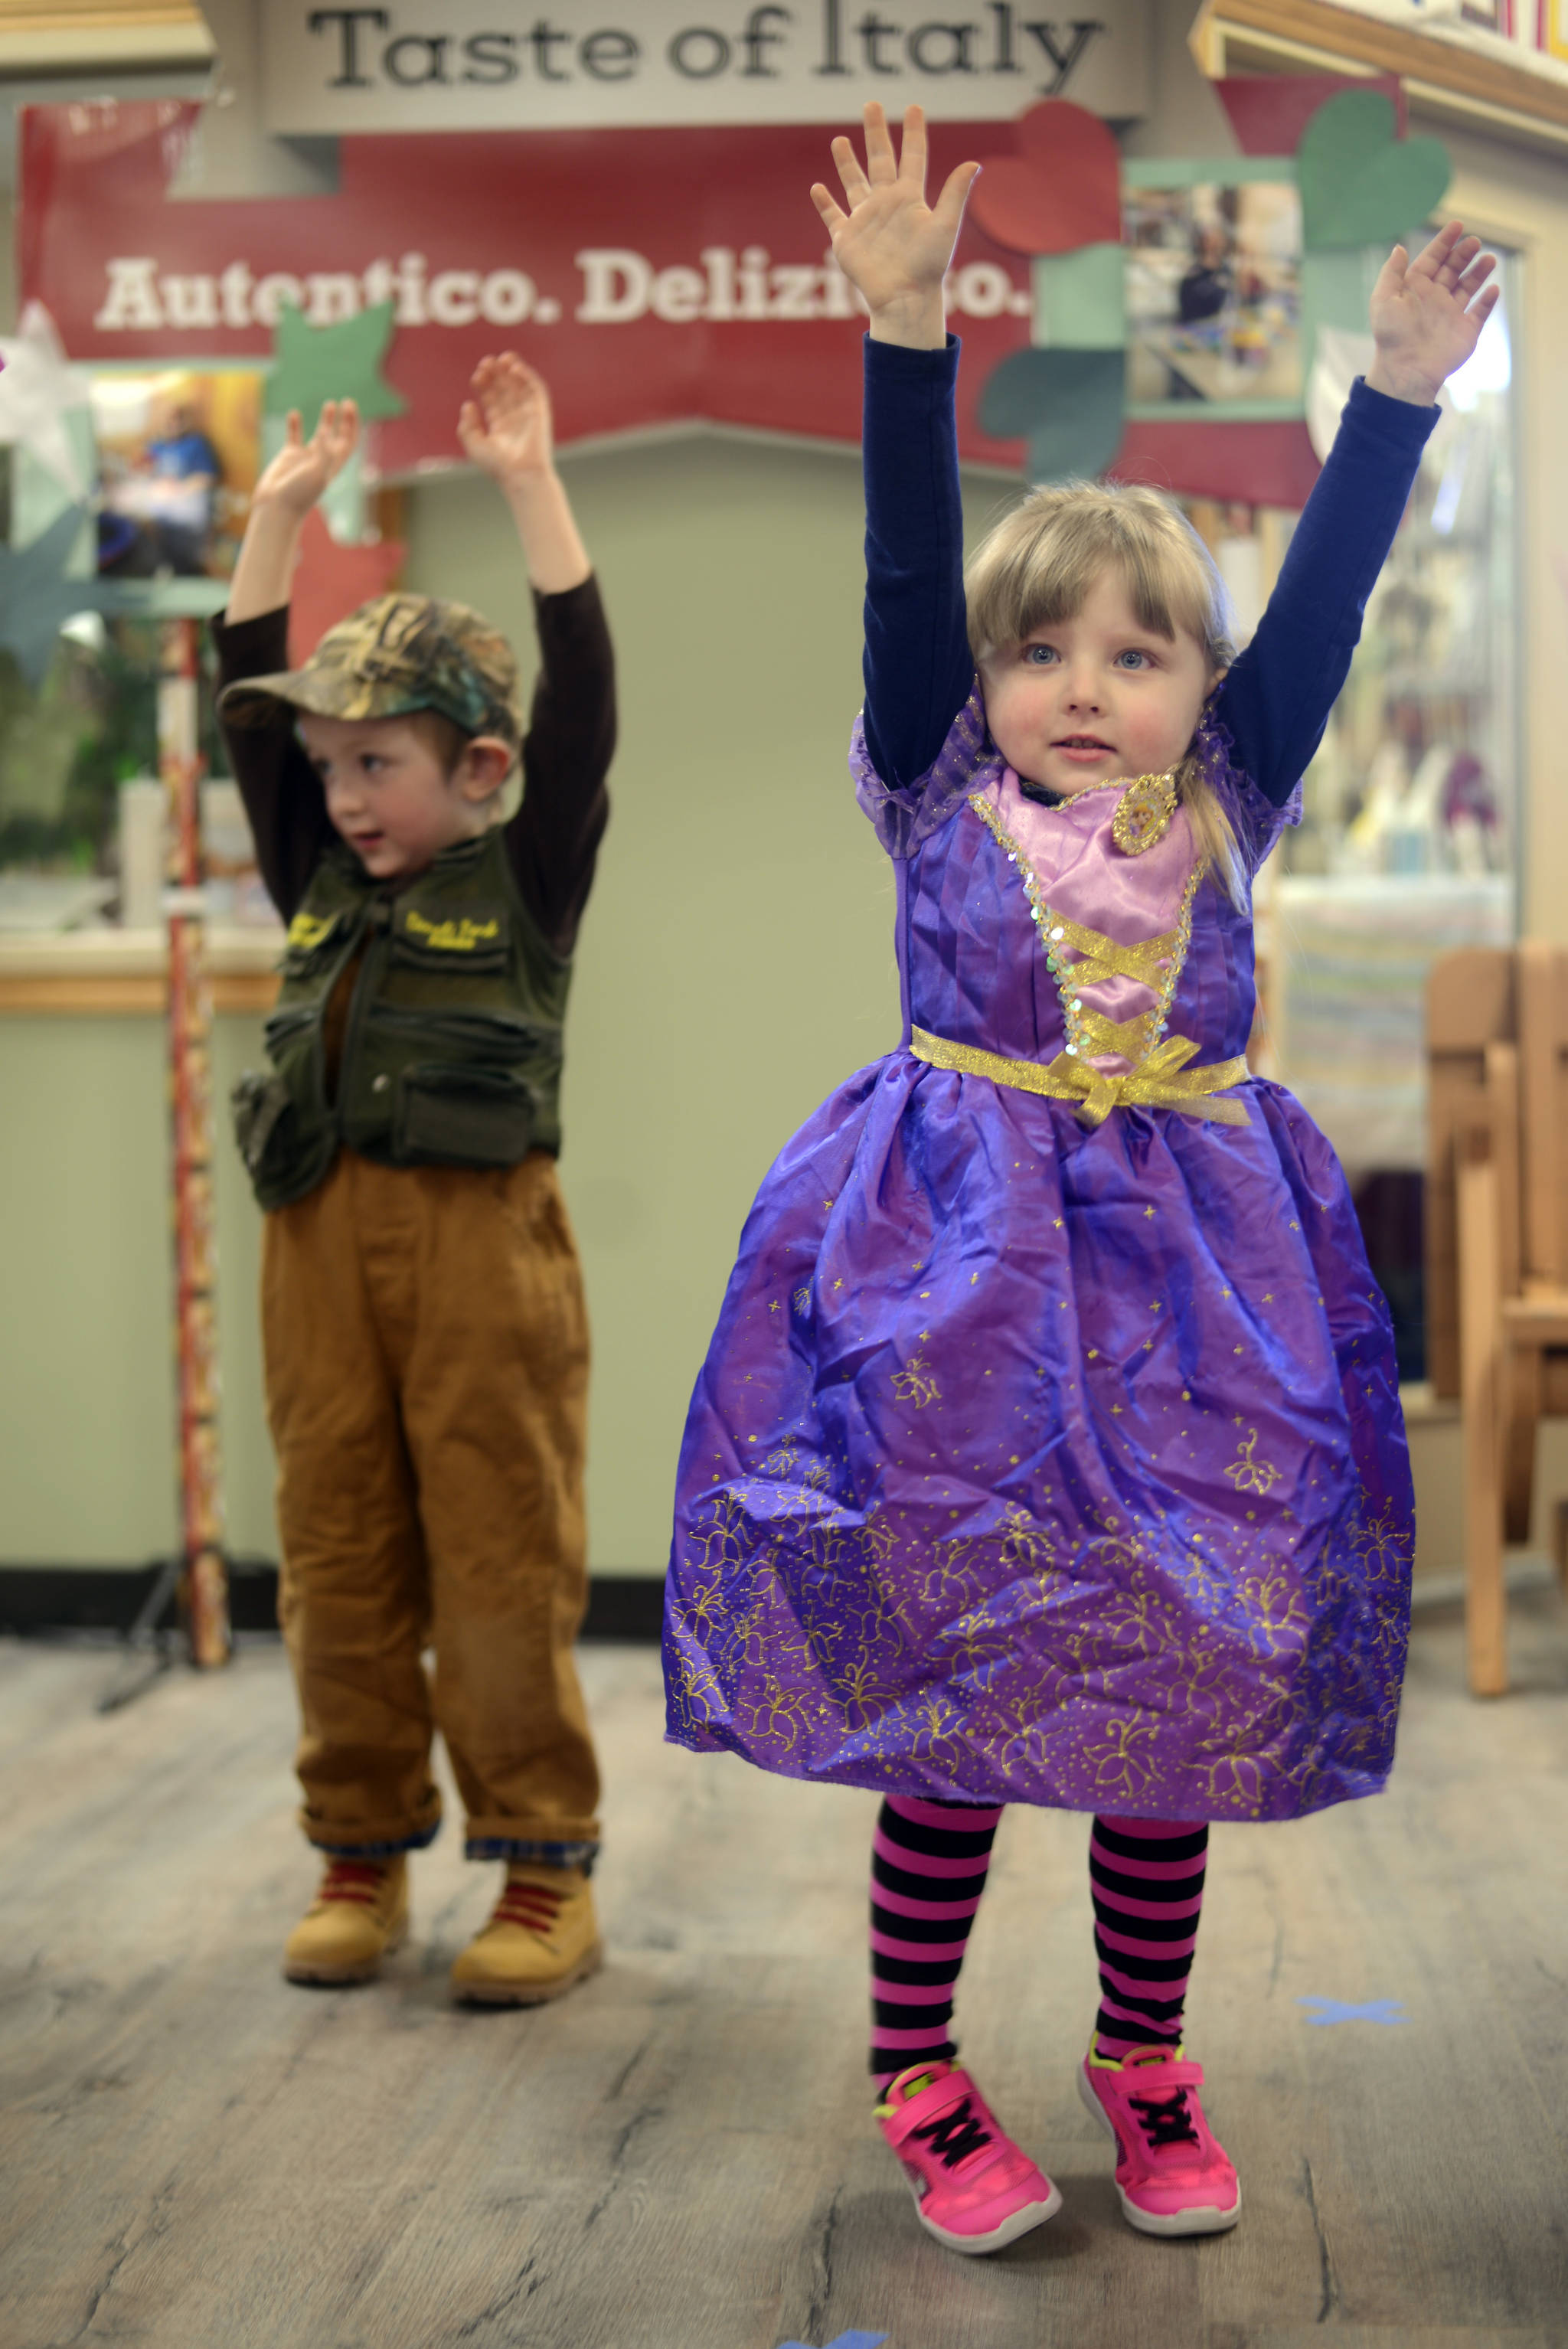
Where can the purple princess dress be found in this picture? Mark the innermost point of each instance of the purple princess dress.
(1048, 1448)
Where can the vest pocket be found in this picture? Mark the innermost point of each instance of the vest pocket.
(456, 1116)
(257, 1103)
(282, 1162)
(286, 1147)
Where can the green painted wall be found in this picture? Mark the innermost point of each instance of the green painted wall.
(736, 962)
(87, 1365)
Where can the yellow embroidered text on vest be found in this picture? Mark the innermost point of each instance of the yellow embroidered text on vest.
(306, 931)
(454, 937)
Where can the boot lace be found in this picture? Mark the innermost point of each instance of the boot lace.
(357, 1880)
(1165, 2120)
(533, 1906)
(955, 2134)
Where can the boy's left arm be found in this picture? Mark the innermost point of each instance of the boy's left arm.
(1426, 316)
(553, 839)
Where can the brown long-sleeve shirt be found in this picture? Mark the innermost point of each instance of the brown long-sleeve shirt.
(553, 841)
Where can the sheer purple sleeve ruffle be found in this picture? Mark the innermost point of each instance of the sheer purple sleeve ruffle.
(1254, 819)
(903, 819)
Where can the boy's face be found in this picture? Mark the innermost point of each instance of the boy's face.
(388, 794)
(1096, 698)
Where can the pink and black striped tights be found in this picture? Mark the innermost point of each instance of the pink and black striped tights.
(929, 1863)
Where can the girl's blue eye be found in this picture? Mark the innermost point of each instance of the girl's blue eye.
(1038, 655)
(1133, 654)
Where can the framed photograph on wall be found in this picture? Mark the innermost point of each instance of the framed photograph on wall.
(178, 452)
(1214, 269)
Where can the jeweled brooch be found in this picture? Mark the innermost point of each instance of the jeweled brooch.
(1143, 812)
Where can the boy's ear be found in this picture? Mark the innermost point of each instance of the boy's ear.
(483, 767)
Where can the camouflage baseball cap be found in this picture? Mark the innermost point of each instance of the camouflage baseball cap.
(388, 659)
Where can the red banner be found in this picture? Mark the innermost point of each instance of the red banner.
(654, 275)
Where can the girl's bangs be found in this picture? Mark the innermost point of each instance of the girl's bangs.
(1038, 567)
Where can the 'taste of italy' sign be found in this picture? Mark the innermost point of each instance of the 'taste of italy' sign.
(454, 65)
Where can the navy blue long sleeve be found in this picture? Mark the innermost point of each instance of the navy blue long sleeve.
(918, 670)
(1276, 698)
(1275, 701)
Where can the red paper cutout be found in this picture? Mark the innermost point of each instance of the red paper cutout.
(1269, 111)
(1061, 191)
(1249, 464)
(333, 580)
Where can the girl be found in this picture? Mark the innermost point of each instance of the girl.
(1049, 1449)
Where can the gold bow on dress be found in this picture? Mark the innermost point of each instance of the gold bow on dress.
(1161, 1080)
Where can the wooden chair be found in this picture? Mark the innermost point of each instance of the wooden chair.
(1497, 1248)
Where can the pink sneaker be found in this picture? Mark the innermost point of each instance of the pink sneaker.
(974, 2189)
(1172, 2176)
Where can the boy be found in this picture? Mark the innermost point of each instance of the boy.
(423, 1324)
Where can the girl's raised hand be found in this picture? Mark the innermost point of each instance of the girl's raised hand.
(506, 426)
(302, 469)
(892, 246)
(1428, 314)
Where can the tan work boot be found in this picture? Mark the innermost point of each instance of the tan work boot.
(542, 1937)
(359, 1914)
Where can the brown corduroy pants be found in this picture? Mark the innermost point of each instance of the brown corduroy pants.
(426, 1365)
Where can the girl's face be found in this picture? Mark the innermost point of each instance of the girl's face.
(1097, 697)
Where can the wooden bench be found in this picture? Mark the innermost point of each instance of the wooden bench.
(1497, 1248)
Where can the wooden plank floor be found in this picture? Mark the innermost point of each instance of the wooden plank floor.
(193, 2155)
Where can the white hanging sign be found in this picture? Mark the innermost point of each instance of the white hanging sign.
(496, 64)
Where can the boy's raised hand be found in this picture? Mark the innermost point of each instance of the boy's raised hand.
(302, 469)
(1428, 314)
(892, 246)
(280, 503)
(506, 426)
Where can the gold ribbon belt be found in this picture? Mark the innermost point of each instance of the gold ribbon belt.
(1161, 1081)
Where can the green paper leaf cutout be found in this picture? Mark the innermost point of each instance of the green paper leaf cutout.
(1337, 288)
(1075, 448)
(312, 363)
(1336, 292)
(36, 596)
(1360, 184)
(1080, 299)
(1068, 405)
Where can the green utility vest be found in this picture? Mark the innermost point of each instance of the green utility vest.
(451, 1055)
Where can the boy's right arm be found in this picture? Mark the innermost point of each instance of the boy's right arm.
(284, 804)
(282, 793)
(895, 249)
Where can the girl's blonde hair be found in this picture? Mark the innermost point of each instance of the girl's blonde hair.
(1039, 564)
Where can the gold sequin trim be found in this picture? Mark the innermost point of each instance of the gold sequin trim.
(1155, 963)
